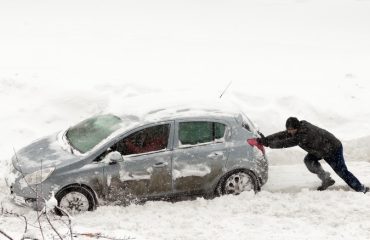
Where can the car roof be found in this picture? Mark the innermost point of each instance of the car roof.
(177, 113)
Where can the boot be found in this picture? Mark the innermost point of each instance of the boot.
(325, 184)
(366, 189)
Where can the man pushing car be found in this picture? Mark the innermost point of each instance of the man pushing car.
(319, 144)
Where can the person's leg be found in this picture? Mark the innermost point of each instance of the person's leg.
(313, 165)
(338, 165)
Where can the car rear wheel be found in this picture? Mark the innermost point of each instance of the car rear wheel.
(238, 182)
(74, 200)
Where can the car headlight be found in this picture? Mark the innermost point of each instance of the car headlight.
(38, 176)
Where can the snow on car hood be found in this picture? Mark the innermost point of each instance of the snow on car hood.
(45, 152)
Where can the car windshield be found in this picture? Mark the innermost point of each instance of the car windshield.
(90, 132)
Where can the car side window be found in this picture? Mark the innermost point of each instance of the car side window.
(192, 133)
(219, 129)
(146, 140)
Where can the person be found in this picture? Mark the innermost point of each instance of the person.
(319, 144)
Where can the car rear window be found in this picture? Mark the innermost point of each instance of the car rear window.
(192, 133)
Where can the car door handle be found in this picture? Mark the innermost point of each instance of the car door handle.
(215, 154)
(160, 164)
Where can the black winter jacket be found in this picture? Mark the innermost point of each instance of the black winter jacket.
(309, 137)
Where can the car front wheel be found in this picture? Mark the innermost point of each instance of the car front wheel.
(74, 200)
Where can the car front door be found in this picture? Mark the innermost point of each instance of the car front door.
(146, 167)
(200, 153)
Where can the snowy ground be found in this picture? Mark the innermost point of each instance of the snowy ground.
(287, 208)
(61, 63)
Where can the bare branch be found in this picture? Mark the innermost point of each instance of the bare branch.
(38, 218)
(6, 212)
(25, 222)
(69, 220)
(99, 236)
(21, 171)
(6, 235)
(52, 226)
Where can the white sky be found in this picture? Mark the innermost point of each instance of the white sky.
(186, 44)
(304, 58)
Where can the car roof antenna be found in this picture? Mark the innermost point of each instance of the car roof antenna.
(227, 87)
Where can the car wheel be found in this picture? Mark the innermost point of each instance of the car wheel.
(238, 182)
(74, 200)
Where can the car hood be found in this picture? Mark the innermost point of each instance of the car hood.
(43, 153)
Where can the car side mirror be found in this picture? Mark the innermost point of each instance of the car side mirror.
(114, 158)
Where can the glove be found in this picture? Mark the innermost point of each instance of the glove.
(263, 141)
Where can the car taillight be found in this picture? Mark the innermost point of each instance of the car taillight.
(253, 142)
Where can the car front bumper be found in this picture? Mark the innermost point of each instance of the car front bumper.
(36, 204)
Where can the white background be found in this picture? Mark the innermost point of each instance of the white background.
(62, 61)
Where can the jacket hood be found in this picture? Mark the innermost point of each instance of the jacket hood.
(43, 153)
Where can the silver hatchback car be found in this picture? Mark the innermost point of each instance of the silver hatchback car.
(108, 159)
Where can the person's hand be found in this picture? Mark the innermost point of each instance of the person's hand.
(263, 141)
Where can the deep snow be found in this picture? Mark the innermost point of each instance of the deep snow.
(63, 62)
(287, 208)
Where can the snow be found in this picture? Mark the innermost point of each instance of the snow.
(198, 170)
(51, 203)
(285, 58)
(287, 208)
(126, 176)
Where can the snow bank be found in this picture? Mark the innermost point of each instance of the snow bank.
(33, 115)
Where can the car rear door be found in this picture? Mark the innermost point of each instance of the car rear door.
(200, 154)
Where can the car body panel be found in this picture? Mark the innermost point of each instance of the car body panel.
(178, 169)
(46, 151)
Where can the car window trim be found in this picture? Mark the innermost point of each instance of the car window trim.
(147, 153)
(199, 144)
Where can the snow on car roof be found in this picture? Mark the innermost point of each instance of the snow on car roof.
(154, 107)
(162, 114)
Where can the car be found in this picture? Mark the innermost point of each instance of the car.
(111, 159)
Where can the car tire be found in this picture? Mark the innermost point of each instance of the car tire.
(236, 182)
(74, 200)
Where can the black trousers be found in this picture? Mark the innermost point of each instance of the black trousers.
(336, 162)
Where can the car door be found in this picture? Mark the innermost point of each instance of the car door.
(146, 167)
(200, 154)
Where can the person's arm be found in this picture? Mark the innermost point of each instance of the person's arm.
(284, 143)
(277, 136)
(279, 140)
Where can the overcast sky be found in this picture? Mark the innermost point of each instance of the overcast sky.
(185, 44)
